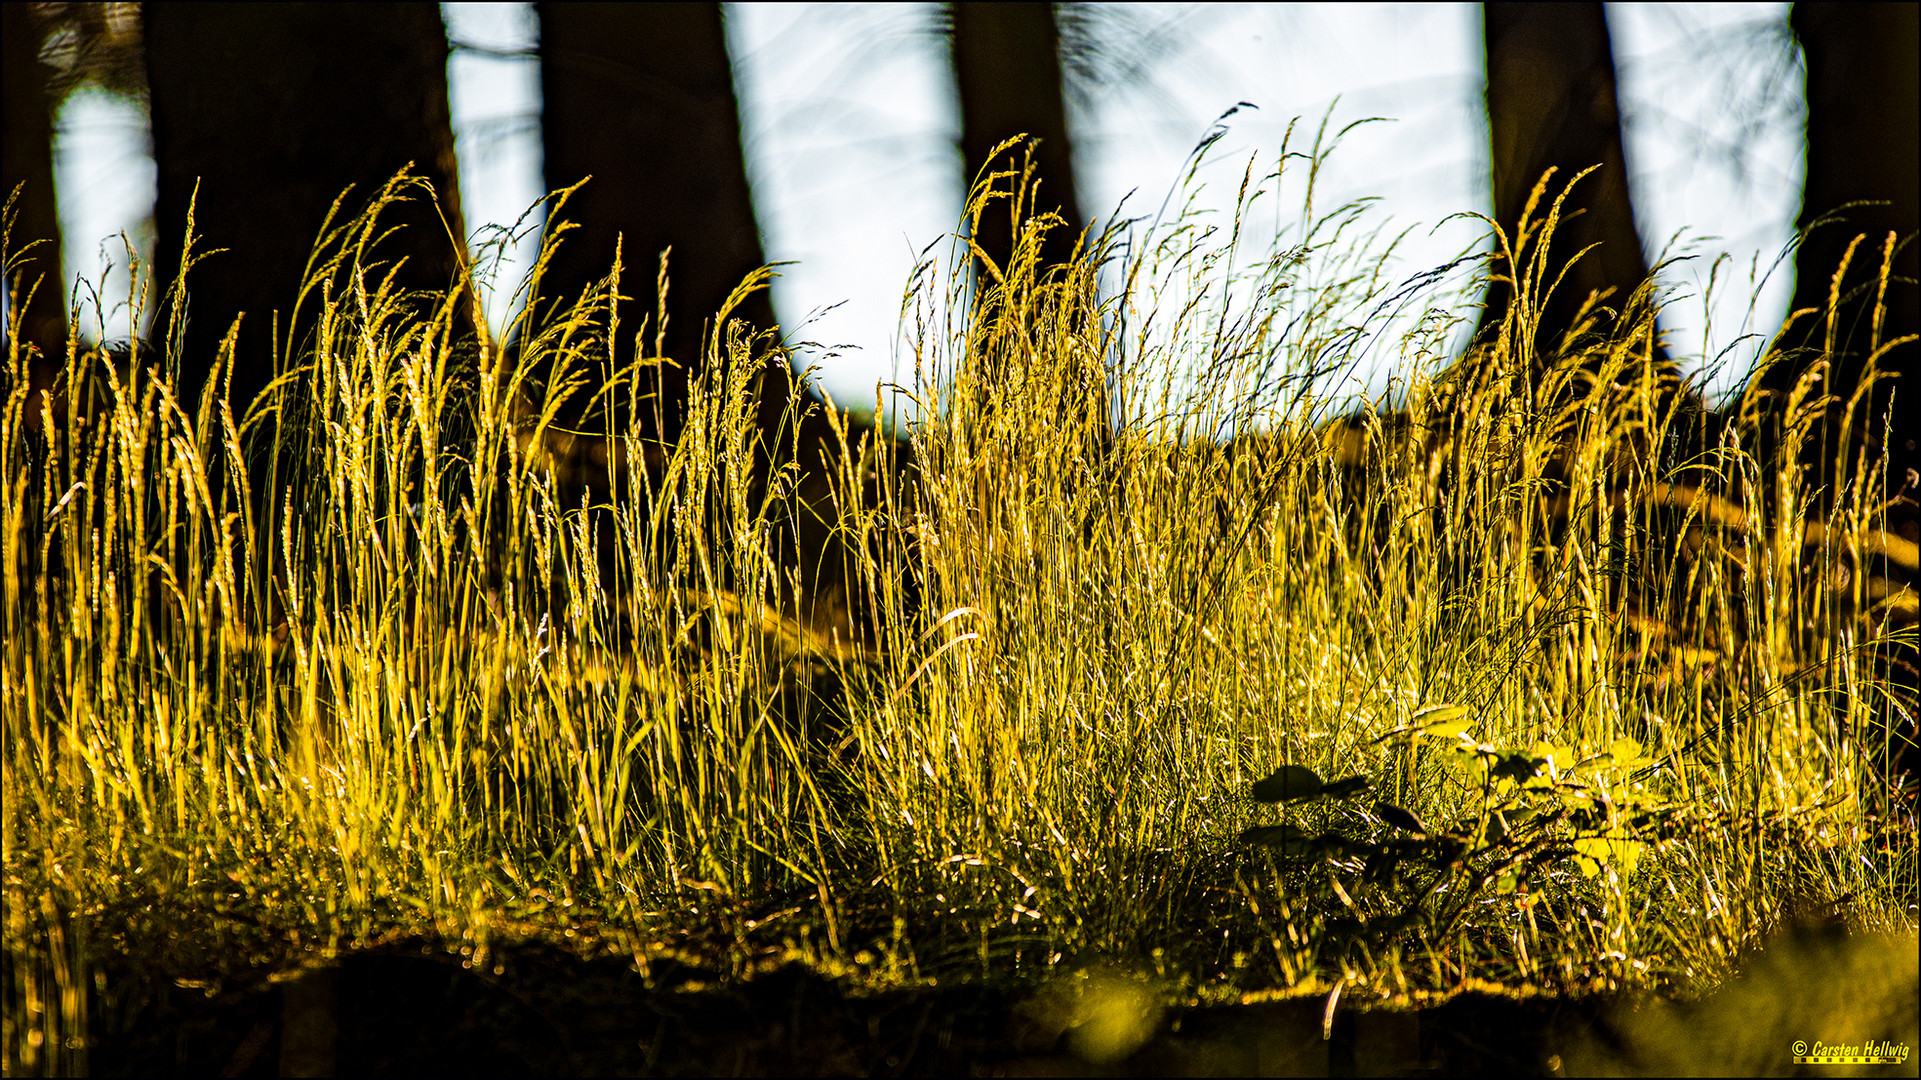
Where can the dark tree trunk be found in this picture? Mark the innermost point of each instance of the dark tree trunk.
(28, 161)
(1007, 64)
(641, 98)
(1551, 103)
(274, 109)
(1864, 143)
(1008, 69)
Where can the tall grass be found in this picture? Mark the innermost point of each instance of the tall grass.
(363, 663)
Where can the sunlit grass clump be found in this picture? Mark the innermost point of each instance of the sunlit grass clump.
(1549, 678)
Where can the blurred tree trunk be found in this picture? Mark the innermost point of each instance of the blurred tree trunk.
(641, 97)
(1864, 143)
(1008, 66)
(1551, 103)
(274, 109)
(28, 160)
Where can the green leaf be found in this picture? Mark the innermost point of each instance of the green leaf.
(1561, 758)
(1629, 754)
(1618, 848)
(1346, 787)
(1519, 767)
(1452, 729)
(1495, 833)
(1289, 838)
(1289, 783)
(1399, 818)
(1437, 714)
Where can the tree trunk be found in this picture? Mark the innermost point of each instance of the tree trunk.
(1551, 104)
(1864, 143)
(1007, 64)
(641, 98)
(28, 161)
(274, 109)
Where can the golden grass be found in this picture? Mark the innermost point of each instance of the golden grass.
(356, 664)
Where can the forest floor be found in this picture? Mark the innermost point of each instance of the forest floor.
(539, 1008)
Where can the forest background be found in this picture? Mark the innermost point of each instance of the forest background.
(1723, 109)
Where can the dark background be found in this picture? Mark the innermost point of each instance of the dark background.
(273, 109)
